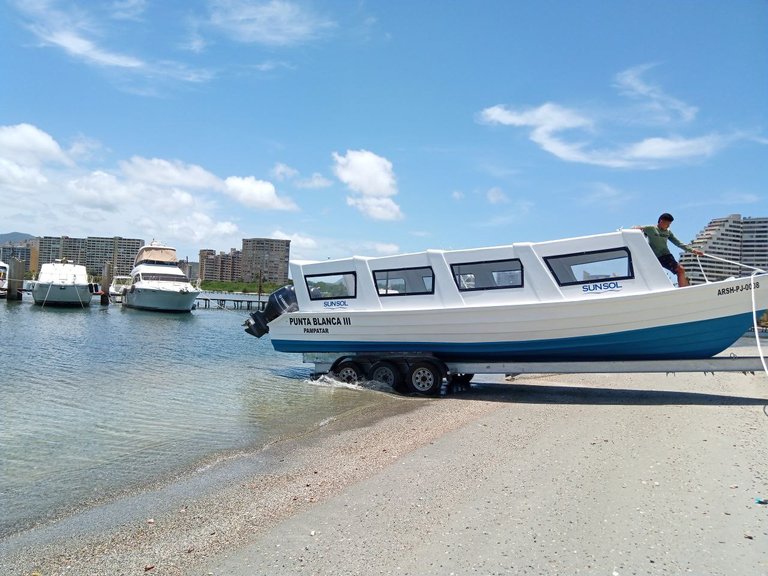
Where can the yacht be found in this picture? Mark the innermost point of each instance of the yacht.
(63, 283)
(157, 283)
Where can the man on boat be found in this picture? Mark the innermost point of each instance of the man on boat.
(658, 236)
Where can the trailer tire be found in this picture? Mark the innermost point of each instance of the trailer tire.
(387, 373)
(424, 378)
(349, 372)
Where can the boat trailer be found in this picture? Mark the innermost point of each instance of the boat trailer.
(423, 373)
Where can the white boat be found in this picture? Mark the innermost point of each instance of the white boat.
(157, 282)
(117, 287)
(600, 297)
(63, 283)
(3, 279)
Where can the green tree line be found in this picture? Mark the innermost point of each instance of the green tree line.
(244, 287)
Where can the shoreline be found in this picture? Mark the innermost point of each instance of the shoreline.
(123, 536)
(680, 456)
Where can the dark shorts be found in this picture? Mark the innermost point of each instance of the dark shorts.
(668, 261)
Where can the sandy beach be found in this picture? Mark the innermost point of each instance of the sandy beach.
(546, 474)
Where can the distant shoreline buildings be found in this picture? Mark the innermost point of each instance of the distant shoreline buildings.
(92, 252)
(261, 260)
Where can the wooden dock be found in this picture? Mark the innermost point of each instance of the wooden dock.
(232, 301)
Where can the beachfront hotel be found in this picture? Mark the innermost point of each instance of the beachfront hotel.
(733, 238)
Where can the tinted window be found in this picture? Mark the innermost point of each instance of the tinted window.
(585, 267)
(488, 275)
(404, 281)
(327, 286)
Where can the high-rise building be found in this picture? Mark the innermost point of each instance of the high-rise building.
(733, 240)
(265, 260)
(754, 242)
(221, 266)
(92, 252)
(25, 251)
(121, 252)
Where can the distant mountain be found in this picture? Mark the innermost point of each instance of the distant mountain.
(14, 237)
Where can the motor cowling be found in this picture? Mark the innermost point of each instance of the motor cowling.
(280, 302)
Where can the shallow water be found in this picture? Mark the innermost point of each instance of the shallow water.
(99, 402)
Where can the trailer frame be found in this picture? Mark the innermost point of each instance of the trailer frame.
(355, 366)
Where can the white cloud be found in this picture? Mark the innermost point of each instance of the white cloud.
(80, 31)
(674, 148)
(661, 106)
(100, 190)
(457, 195)
(496, 196)
(168, 173)
(550, 123)
(255, 193)
(273, 23)
(127, 9)
(317, 180)
(18, 178)
(376, 208)
(573, 136)
(299, 241)
(146, 198)
(27, 145)
(282, 172)
(372, 178)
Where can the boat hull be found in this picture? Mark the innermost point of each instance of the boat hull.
(54, 294)
(695, 322)
(160, 300)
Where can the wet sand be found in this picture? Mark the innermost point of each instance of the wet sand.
(551, 474)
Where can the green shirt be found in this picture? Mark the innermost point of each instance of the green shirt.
(658, 238)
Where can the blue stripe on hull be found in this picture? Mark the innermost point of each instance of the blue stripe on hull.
(701, 339)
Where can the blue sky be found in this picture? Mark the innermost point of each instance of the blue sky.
(375, 127)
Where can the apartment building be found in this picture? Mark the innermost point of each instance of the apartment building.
(265, 260)
(221, 266)
(121, 252)
(92, 252)
(25, 251)
(734, 240)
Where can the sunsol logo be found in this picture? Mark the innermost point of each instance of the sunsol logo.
(611, 286)
(335, 304)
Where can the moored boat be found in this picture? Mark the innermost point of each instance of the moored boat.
(3, 279)
(63, 283)
(600, 297)
(157, 283)
(117, 287)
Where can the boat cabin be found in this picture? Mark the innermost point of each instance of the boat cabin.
(604, 265)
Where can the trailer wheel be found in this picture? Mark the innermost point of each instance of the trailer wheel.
(349, 372)
(424, 378)
(387, 373)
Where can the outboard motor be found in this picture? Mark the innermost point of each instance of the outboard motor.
(280, 302)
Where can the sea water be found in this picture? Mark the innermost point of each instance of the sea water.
(103, 401)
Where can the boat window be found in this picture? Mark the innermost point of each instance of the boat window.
(405, 281)
(328, 286)
(163, 277)
(586, 267)
(488, 275)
